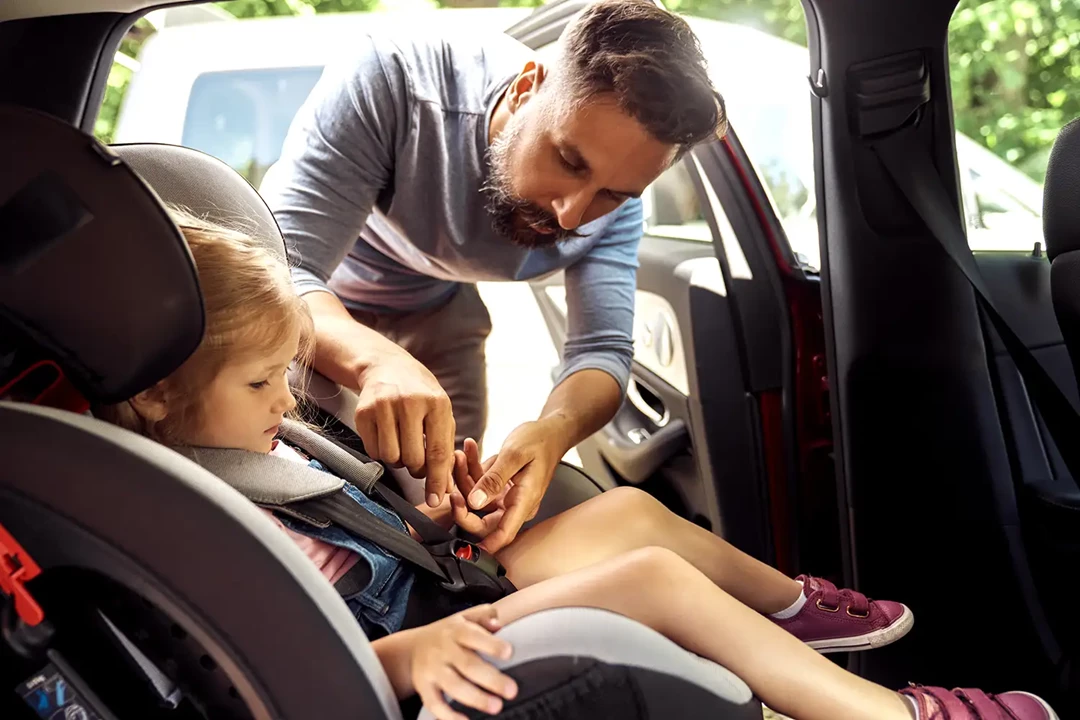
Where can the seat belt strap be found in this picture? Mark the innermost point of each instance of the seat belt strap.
(345, 462)
(911, 168)
(345, 512)
(318, 499)
(428, 530)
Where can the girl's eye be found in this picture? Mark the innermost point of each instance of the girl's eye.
(258, 385)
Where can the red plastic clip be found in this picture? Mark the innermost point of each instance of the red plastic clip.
(464, 551)
(16, 569)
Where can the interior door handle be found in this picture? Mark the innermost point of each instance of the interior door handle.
(633, 394)
(637, 454)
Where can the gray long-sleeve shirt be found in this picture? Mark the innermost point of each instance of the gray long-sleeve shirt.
(377, 193)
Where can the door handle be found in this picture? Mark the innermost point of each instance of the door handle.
(635, 455)
(633, 394)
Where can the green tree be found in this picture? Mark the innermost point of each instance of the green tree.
(1015, 68)
(783, 18)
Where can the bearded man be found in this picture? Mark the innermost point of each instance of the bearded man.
(426, 164)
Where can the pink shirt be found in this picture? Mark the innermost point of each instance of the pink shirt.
(333, 561)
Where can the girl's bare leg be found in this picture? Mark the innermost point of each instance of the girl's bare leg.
(626, 519)
(784, 673)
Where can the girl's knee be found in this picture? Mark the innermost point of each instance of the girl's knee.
(629, 502)
(656, 564)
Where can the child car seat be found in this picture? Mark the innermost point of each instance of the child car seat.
(137, 585)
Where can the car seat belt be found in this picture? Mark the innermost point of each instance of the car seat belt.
(912, 169)
(318, 499)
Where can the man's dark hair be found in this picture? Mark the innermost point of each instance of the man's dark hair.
(650, 61)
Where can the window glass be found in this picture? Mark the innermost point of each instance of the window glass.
(1015, 71)
(673, 207)
(241, 117)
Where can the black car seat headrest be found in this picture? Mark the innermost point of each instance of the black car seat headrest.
(92, 270)
(1061, 193)
(206, 186)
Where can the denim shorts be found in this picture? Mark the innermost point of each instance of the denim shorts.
(379, 607)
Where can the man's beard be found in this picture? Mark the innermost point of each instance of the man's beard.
(523, 222)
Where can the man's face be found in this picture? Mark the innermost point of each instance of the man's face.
(556, 166)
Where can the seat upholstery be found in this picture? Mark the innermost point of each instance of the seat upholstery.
(1061, 229)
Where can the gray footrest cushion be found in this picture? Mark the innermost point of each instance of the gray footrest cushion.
(588, 663)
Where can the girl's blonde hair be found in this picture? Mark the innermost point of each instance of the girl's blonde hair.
(251, 309)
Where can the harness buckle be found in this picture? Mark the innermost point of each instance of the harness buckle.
(16, 569)
(470, 570)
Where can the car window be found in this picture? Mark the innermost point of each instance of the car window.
(673, 206)
(242, 117)
(1012, 67)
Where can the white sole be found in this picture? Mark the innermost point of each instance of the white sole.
(1051, 715)
(870, 641)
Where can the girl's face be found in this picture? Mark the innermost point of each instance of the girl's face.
(244, 405)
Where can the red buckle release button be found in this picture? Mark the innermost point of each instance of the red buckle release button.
(464, 552)
(16, 569)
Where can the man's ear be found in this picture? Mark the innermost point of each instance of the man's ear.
(151, 404)
(526, 84)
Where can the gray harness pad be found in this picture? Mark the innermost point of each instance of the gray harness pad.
(273, 481)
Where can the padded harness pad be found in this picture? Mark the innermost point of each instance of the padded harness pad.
(1061, 193)
(91, 267)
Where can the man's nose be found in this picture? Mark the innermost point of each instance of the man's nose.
(570, 208)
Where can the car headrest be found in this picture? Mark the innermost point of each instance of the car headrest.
(206, 186)
(1061, 193)
(92, 270)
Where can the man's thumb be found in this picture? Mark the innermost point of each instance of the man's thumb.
(491, 484)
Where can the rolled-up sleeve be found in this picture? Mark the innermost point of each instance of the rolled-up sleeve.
(337, 157)
(600, 301)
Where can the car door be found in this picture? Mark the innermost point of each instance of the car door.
(709, 423)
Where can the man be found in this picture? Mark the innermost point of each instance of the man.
(425, 165)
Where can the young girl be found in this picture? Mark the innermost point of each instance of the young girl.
(622, 551)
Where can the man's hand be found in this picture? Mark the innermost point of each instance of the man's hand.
(403, 415)
(467, 471)
(447, 660)
(404, 418)
(523, 470)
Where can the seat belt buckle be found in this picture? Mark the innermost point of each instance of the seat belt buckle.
(471, 570)
(16, 569)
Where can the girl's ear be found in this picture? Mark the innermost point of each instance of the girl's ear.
(150, 404)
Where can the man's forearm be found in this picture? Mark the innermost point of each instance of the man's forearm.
(580, 405)
(344, 348)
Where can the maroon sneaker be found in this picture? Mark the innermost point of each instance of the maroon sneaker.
(965, 704)
(845, 621)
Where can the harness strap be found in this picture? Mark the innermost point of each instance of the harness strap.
(343, 511)
(354, 467)
(428, 530)
(317, 498)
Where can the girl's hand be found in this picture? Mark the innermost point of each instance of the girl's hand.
(446, 660)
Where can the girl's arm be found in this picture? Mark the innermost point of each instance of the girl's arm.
(445, 657)
(395, 655)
